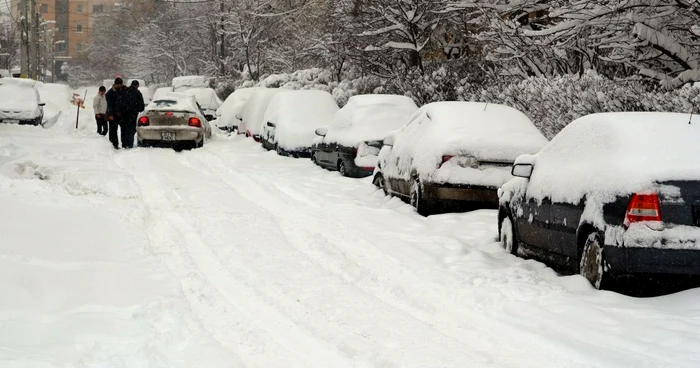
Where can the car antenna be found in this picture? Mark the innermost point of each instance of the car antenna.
(487, 105)
(692, 111)
(692, 105)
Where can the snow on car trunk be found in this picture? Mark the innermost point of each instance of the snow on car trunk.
(254, 111)
(464, 142)
(231, 111)
(297, 114)
(614, 154)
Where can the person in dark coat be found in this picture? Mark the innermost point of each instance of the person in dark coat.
(116, 106)
(133, 106)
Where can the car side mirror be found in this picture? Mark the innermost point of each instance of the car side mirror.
(209, 117)
(389, 141)
(271, 125)
(321, 132)
(42, 104)
(522, 170)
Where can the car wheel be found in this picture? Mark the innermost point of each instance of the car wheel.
(143, 144)
(199, 144)
(342, 169)
(592, 265)
(379, 183)
(417, 200)
(506, 235)
(313, 158)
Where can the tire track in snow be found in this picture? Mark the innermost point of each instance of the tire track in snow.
(474, 327)
(364, 327)
(240, 322)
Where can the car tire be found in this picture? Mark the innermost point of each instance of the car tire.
(143, 144)
(417, 200)
(199, 144)
(379, 182)
(506, 235)
(342, 169)
(313, 158)
(592, 265)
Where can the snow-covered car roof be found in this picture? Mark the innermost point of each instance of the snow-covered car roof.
(297, 114)
(254, 111)
(234, 104)
(20, 82)
(206, 97)
(190, 81)
(16, 97)
(484, 130)
(173, 101)
(369, 118)
(617, 153)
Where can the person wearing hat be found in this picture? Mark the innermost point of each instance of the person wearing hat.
(134, 105)
(116, 106)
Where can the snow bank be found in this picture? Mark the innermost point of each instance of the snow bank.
(193, 81)
(617, 153)
(469, 130)
(296, 115)
(58, 98)
(254, 111)
(231, 110)
(369, 118)
(206, 98)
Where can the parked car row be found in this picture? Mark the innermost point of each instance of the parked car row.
(612, 195)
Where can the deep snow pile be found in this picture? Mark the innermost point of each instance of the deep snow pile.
(231, 111)
(296, 115)
(604, 154)
(228, 256)
(254, 110)
(369, 118)
(483, 132)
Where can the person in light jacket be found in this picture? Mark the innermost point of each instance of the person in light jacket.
(99, 104)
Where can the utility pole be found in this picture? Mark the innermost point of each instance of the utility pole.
(24, 32)
(33, 22)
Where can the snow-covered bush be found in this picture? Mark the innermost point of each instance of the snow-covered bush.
(554, 102)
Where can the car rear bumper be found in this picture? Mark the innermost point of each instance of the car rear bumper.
(634, 260)
(461, 193)
(355, 171)
(183, 133)
(296, 153)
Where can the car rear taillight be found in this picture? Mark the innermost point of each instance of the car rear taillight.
(194, 122)
(643, 207)
(143, 121)
(169, 114)
(445, 158)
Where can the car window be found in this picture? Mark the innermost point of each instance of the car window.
(164, 103)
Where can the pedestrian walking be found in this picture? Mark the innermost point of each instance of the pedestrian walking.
(99, 105)
(133, 106)
(116, 106)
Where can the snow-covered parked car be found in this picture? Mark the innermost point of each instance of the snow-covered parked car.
(207, 99)
(254, 112)
(161, 92)
(20, 102)
(230, 113)
(455, 155)
(599, 202)
(174, 119)
(184, 83)
(291, 120)
(351, 143)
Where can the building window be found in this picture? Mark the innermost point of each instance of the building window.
(80, 8)
(44, 8)
(61, 47)
(79, 28)
(79, 46)
(98, 9)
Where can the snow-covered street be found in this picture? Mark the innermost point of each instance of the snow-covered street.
(231, 256)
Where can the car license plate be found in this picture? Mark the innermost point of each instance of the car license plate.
(168, 136)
